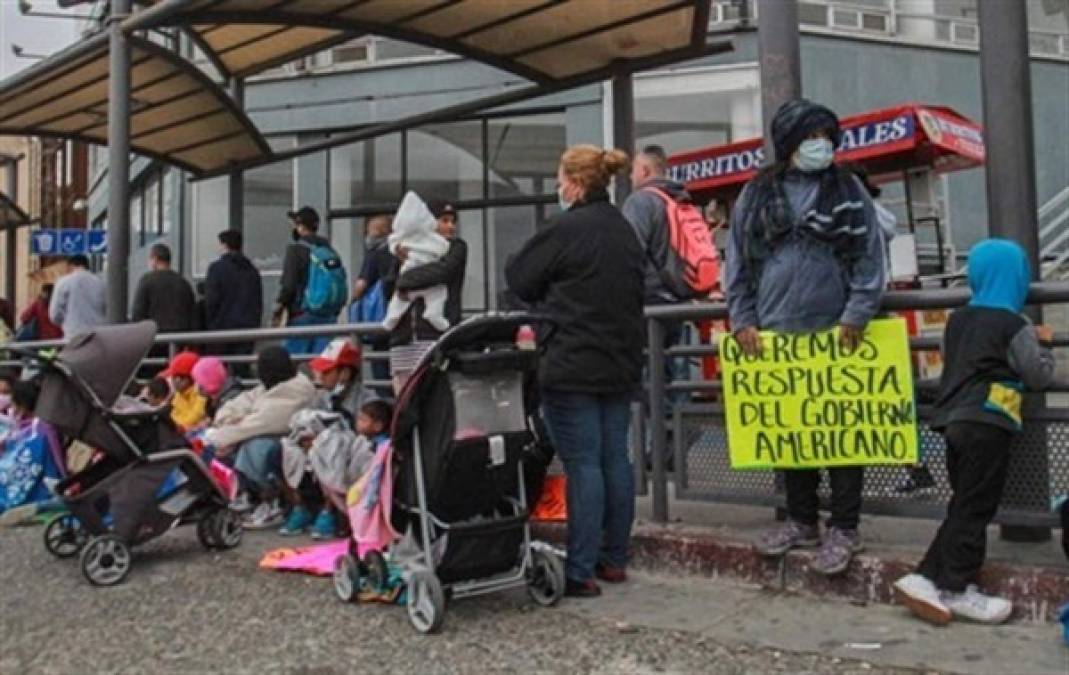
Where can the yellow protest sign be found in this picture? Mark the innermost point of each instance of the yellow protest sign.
(804, 403)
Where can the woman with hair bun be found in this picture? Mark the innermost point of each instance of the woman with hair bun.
(585, 271)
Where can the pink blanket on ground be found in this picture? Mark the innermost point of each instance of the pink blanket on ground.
(316, 560)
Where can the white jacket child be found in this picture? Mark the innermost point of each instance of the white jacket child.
(415, 228)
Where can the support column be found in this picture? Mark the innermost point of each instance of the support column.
(1006, 83)
(236, 183)
(623, 127)
(780, 60)
(118, 164)
(11, 280)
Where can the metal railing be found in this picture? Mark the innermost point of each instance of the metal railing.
(1039, 468)
(1040, 464)
(200, 339)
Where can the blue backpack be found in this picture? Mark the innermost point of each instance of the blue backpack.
(327, 289)
(371, 308)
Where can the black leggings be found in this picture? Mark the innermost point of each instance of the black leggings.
(977, 458)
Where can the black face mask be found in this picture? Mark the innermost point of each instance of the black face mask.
(295, 234)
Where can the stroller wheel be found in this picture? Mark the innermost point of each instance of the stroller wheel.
(226, 528)
(426, 602)
(65, 536)
(206, 532)
(545, 581)
(377, 571)
(346, 578)
(106, 560)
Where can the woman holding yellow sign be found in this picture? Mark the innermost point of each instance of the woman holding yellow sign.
(805, 255)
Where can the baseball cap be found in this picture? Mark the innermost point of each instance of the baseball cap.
(340, 352)
(441, 208)
(181, 365)
(306, 216)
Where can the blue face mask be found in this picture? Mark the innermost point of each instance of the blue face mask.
(814, 154)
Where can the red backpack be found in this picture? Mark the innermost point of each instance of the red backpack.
(692, 267)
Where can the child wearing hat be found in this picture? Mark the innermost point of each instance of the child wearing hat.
(337, 375)
(188, 407)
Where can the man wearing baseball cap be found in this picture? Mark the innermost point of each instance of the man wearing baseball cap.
(305, 227)
(337, 374)
(188, 407)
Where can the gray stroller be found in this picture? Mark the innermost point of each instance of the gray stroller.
(144, 481)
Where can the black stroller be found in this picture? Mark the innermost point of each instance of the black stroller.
(116, 502)
(469, 458)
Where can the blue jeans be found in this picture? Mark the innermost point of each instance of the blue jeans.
(590, 435)
(309, 345)
(259, 461)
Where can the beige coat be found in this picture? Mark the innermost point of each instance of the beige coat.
(260, 412)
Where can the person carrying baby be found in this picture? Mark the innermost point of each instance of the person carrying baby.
(428, 286)
(415, 230)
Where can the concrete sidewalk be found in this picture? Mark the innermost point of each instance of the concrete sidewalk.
(881, 636)
(715, 540)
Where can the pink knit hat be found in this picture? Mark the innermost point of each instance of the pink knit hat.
(210, 375)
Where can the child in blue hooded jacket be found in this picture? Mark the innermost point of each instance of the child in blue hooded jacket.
(992, 354)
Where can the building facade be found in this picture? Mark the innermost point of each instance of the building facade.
(499, 168)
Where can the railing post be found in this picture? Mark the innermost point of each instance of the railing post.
(657, 431)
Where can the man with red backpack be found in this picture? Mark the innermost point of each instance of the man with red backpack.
(681, 260)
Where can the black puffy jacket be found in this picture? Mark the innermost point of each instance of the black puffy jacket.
(233, 296)
(585, 270)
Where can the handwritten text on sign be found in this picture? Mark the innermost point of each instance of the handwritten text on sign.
(806, 403)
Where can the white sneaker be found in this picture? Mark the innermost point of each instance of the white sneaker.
(265, 516)
(920, 596)
(975, 606)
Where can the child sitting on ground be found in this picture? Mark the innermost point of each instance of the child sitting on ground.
(189, 409)
(992, 354)
(321, 458)
(415, 232)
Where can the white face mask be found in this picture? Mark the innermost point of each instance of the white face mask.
(564, 203)
(814, 154)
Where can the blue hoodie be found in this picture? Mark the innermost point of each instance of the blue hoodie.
(991, 351)
(998, 275)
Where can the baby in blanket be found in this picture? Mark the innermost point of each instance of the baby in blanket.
(415, 229)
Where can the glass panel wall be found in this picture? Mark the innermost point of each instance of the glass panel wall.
(366, 173)
(498, 171)
(523, 153)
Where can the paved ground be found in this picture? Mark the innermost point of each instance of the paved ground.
(183, 611)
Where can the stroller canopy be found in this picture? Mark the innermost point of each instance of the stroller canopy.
(106, 359)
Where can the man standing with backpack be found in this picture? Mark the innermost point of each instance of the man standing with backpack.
(681, 262)
(314, 288)
(373, 288)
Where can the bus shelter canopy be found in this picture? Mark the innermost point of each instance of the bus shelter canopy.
(177, 113)
(540, 40)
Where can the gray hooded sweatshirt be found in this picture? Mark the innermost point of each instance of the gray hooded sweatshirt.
(804, 285)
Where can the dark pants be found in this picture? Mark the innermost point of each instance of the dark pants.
(803, 503)
(589, 432)
(977, 458)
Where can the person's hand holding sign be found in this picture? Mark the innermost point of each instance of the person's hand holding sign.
(850, 337)
(749, 339)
